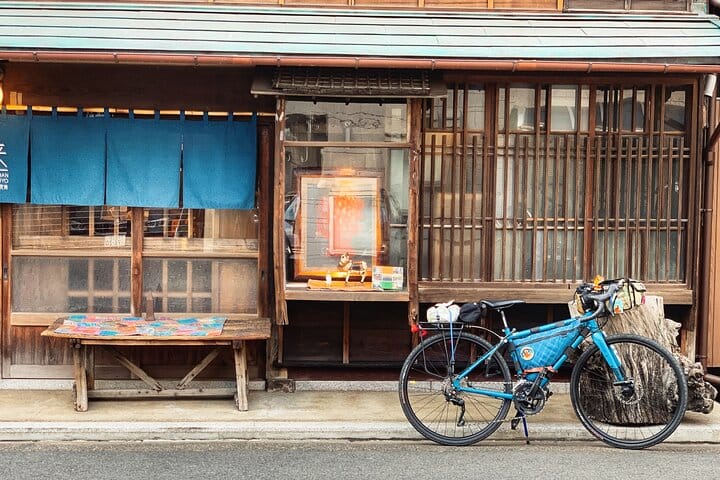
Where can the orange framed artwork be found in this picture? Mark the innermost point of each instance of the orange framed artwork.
(336, 214)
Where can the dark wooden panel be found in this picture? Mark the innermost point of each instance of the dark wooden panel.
(314, 332)
(379, 334)
(135, 86)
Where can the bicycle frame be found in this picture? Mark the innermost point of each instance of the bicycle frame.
(588, 321)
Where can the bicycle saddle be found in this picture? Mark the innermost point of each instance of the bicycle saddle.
(501, 304)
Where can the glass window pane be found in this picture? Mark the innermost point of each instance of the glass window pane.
(68, 284)
(201, 285)
(522, 108)
(346, 206)
(563, 115)
(340, 122)
(50, 227)
(476, 108)
(193, 230)
(675, 109)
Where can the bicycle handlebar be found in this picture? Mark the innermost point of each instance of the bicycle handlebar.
(600, 299)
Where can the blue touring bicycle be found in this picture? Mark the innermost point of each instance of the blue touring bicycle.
(628, 391)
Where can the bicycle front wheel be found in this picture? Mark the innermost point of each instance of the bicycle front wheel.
(639, 412)
(434, 408)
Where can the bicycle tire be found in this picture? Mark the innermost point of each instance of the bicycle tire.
(424, 381)
(629, 418)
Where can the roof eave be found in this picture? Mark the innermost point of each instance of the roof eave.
(693, 65)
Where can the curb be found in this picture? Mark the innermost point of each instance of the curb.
(295, 431)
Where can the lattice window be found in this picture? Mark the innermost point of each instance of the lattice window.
(576, 180)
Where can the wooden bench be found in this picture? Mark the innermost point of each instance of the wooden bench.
(235, 333)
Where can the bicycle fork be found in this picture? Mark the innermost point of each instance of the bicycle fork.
(627, 385)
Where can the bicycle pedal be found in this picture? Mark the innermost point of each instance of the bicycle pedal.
(514, 423)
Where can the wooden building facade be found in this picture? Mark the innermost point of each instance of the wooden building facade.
(471, 149)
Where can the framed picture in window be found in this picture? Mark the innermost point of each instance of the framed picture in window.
(337, 214)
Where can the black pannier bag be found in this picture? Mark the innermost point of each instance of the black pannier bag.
(472, 312)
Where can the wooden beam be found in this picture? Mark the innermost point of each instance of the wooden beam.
(136, 267)
(127, 363)
(281, 316)
(198, 368)
(413, 226)
(240, 356)
(5, 301)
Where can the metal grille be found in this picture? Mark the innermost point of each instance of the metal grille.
(351, 83)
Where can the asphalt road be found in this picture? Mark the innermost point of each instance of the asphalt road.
(352, 460)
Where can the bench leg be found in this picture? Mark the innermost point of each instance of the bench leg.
(80, 370)
(241, 375)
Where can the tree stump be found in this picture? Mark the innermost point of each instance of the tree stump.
(649, 321)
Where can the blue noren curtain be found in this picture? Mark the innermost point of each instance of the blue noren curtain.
(143, 165)
(14, 137)
(219, 164)
(67, 160)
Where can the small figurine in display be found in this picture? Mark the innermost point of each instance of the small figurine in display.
(349, 267)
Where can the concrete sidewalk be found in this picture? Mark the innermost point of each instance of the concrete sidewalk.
(32, 415)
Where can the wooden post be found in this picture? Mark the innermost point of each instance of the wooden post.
(413, 208)
(241, 399)
(80, 371)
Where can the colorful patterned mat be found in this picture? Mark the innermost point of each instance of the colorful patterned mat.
(107, 326)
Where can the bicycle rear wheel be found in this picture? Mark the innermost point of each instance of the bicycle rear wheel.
(636, 414)
(433, 407)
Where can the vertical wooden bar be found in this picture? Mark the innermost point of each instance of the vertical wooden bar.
(523, 140)
(413, 208)
(281, 317)
(346, 334)
(680, 212)
(241, 381)
(589, 200)
(423, 249)
(581, 148)
(462, 191)
(5, 336)
(90, 368)
(265, 243)
(443, 255)
(668, 207)
(474, 213)
(637, 243)
(558, 168)
(136, 266)
(433, 248)
(453, 191)
(517, 203)
(80, 373)
(565, 211)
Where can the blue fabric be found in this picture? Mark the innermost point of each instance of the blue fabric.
(14, 137)
(67, 160)
(143, 163)
(219, 164)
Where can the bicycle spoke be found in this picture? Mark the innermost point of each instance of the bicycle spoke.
(434, 408)
(639, 413)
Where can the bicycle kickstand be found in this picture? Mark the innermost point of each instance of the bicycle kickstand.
(516, 420)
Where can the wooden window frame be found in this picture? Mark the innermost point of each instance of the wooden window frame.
(239, 249)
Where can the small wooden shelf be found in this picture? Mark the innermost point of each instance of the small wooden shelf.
(300, 292)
